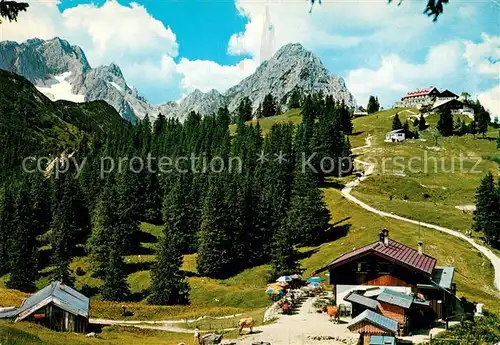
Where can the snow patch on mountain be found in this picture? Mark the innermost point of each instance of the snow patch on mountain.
(61, 71)
(61, 89)
(116, 86)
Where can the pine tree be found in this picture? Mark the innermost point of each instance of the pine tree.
(373, 105)
(445, 123)
(104, 236)
(473, 128)
(180, 213)
(168, 283)
(6, 226)
(258, 113)
(268, 106)
(70, 223)
(23, 246)
(483, 120)
(396, 123)
(308, 216)
(487, 216)
(345, 118)
(295, 100)
(245, 109)
(308, 112)
(214, 254)
(41, 191)
(421, 123)
(284, 255)
(115, 287)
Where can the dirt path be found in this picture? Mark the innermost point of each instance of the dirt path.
(346, 192)
(163, 325)
(297, 329)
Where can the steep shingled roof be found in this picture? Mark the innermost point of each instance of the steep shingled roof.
(422, 92)
(393, 251)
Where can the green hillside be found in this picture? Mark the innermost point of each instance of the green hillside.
(45, 127)
(353, 227)
(412, 188)
(292, 116)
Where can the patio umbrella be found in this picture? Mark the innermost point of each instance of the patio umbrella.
(296, 277)
(284, 279)
(315, 280)
(277, 285)
(274, 291)
(315, 285)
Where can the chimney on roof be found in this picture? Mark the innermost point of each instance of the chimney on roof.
(384, 237)
(420, 247)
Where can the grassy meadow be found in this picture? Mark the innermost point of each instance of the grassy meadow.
(419, 179)
(430, 197)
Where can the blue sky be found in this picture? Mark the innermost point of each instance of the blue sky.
(169, 48)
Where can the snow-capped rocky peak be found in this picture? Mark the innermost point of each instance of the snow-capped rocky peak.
(62, 71)
(291, 68)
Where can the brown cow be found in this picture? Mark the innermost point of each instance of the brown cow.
(247, 322)
(333, 313)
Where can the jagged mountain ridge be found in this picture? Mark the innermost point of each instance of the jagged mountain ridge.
(291, 68)
(61, 71)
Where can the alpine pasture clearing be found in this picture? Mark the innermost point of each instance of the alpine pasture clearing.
(420, 180)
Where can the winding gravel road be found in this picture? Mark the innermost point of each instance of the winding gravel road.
(346, 192)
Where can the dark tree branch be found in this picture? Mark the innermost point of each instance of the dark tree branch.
(11, 9)
(433, 8)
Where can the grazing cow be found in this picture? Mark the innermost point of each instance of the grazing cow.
(247, 322)
(333, 313)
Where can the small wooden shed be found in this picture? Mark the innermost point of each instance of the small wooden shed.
(369, 323)
(56, 306)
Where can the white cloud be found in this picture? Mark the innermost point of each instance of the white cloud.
(206, 75)
(484, 57)
(490, 99)
(333, 25)
(112, 32)
(396, 76)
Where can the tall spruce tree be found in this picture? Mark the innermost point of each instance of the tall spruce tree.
(41, 189)
(70, 223)
(6, 226)
(308, 216)
(373, 105)
(396, 123)
(215, 254)
(421, 123)
(245, 109)
(23, 245)
(295, 100)
(180, 214)
(168, 282)
(284, 255)
(345, 118)
(483, 120)
(115, 287)
(445, 123)
(487, 216)
(104, 236)
(268, 106)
